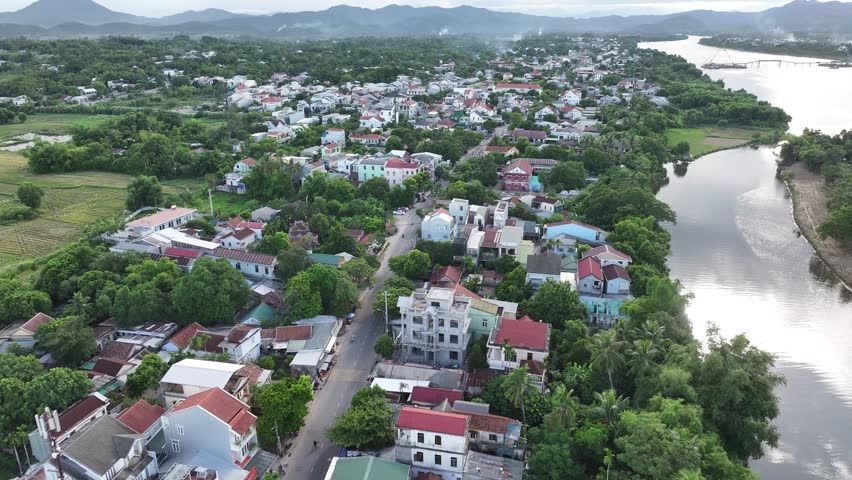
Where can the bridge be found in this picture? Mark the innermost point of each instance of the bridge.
(732, 65)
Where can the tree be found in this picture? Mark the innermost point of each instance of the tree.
(269, 181)
(68, 340)
(642, 239)
(566, 176)
(736, 386)
(642, 358)
(272, 244)
(651, 449)
(291, 262)
(80, 306)
(147, 376)
(384, 346)
(359, 271)
(514, 287)
(555, 303)
(681, 149)
(376, 187)
(19, 302)
(518, 387)
(838, 225)
(282, 407)
(144, 191)
(303, 299)
(607, 407)
(441, 253)
(395, 287)
(565, 407)
(57, 389)
(30, 195)
(367, 425)
(211, 293)
(23, 367)
(414, 265)
(606, 353)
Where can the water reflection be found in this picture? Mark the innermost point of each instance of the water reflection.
(735, 246)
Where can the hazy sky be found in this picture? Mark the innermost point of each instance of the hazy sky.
(574, 8)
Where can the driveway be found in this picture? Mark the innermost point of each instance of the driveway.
(354, 361)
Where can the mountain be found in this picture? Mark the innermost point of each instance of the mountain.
(47, 13)
(86, 17)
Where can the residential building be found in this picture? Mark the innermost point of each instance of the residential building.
(541, 268)
(368, 168)
(213, 422)
(173, 217)
(22, 333)
(366, 468)
(459, 208)
(106, 450)
(250, 264)
(534, 136)
(435, 326)
(190, 376)
(396, 171)
(438, 226)
(432, 441)
(432, 397)
(577, 230)
(518, 87)
(516, 176)
(333, 135)
(530, 342)
(72, 420)
(239, 239)
(609, 255)
(244, 165)
(143, 418)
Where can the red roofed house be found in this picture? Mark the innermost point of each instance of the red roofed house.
(590, 279)
(143, 418)
(609, 256)
(446, 277)
(518, 87)
(432, 441)
(244, 165)
(22, 334)
(517, 175)
(430, 397)
(242, 342)
(530, 342)
(213, 422)
(507, 151)
(74, 419)
(396, 171)
(534, 136)
(240, 239)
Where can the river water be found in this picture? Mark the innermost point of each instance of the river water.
(734, 246)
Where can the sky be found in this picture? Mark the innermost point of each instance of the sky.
(561, 8)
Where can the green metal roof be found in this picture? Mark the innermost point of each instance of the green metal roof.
(263, 313)
(369, 468)
(325, 259)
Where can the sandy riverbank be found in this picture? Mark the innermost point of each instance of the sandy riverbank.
(810, 196)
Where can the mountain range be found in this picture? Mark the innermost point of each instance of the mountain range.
(87, 17)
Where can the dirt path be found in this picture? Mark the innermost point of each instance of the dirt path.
(810, 197)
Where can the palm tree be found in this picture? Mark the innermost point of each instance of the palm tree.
(607, 406)
(656, 333)
(688, 475)
(508, 352)
(642, 357)
(606, 353)
(80, 306)
(565, 405)
(517, 386)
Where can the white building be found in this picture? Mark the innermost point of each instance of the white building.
(432, 441)
(250, 264)
(191, 376)
(435, 326)
(396, 171)
(173, 217)
(530, 341)
(438, 226)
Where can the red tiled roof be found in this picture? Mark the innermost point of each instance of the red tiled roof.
(523, 334)
(529, 133)
(141, 415)
(428, 476)
(234, 221)
(249, 161)
(293, 332)
(613, 271)
(497, 148)
(594, 252)
(222, 406)
(239, 333)
(397, 163)
(80, 410)
(118, 350)
(432, 421)
(489, 240)
(574, 222)
(464, 292)
(483, 422)
(521, 164)
(182, 252)
(451, 273)
(251, 372)
(182, 338)
(251, 225)
(434, 396)
(108, 366)
(243, 234)
(37, 320)
(239, 255)
(589, 266)
(533, 366)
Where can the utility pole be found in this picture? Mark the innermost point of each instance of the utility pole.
(387, 323)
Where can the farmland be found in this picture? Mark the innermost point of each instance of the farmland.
(704, 140)
(71, 201)
(47, 123)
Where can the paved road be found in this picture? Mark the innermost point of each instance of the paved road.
(479, 150)
(354, 362)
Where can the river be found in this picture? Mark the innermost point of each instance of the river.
(734, 246)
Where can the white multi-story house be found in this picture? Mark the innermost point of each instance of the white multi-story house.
(212, 422)
(459, 209)
(334, 135)
(240, 239)
(438, 226)
(571, 97)
(432, 441)
(435, 326)
(529, 341)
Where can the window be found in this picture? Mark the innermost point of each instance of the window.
(175, 446)
(238, 266)
(437, 439)
(492, 437)
(473, 434)
(179, 429)
(420, 438)
(454, 339)
(454, 324)
(418, 456)
(441, 337)
(454, 462)
(256, 269)
(266, 270)
(484, 322)
(529, 356)
(437, 459)
(440, 322)
(454, 355)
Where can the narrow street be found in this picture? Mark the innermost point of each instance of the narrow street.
(354, 361)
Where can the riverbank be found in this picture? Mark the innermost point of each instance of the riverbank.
(810, 198)
(790, 49)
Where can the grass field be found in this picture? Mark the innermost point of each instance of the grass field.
(54, 123)
(71, 201)
(704, 140)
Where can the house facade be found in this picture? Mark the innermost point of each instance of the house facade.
(432, 441)
(530, 342)
(438, 226)
(435, 326)
(396, 171)
(172, 217)
(578, 230)
(516, 176)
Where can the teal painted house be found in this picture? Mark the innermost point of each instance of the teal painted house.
(371, 168)
(605, 310)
